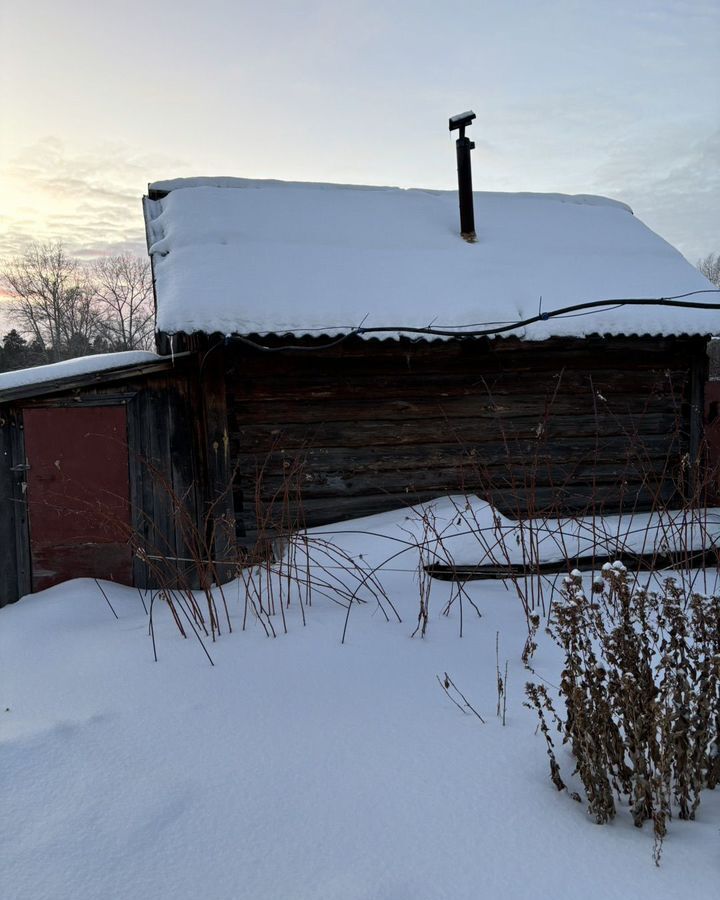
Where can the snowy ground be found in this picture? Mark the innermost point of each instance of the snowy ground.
(297, 767)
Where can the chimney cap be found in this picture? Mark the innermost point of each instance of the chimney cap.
(461, 120)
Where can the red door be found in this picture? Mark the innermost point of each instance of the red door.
(78, 494)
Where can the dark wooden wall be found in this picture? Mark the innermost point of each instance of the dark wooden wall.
(560, 426)
(168, 477)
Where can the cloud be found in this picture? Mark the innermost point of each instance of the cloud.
(90, 201)
(671, 178)
(668, 171)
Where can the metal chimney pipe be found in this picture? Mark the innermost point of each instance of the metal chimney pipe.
(463, 146)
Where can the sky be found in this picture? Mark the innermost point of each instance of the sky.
(620, 99)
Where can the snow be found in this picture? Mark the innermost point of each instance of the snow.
(243, 256)
(464, 530)
(70, 368)
(300, 767)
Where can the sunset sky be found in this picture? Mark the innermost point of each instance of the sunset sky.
(613, 98)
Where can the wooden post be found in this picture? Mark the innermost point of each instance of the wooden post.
(15, 569)
(219, 468)
(698, 377)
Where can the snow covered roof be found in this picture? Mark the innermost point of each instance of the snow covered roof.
(24, 382)
(239, 256)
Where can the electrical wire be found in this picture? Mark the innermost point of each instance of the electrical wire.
(487, 329)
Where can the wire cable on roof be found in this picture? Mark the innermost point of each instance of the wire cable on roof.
(486, 329)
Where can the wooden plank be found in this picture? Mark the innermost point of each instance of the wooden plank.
(277, 436)
(612, 369)
(442, 480)
(698, 377)
(220, 505)
(379, 458)
(18, 498)
(321, 384)
(644, 562)
(164, 483)
(8, 563)
(183, 462)
(140, 489)
(154, 517)
(331, 409)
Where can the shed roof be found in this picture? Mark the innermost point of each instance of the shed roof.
(82, 371)
(239, 256)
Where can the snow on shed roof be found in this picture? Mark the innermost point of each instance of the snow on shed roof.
(240, 256)
(25, 381)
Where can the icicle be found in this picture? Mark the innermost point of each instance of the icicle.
(172, 348)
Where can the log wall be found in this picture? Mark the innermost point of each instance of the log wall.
(560, 427)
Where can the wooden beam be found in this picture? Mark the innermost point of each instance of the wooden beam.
(8, 555)
(219, 501)
(698, 377)
(15, 565)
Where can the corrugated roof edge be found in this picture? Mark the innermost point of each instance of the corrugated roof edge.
(338, 337)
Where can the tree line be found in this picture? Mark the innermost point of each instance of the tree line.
(62, 308)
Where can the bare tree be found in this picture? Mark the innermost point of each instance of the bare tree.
(123, 292)
(710, 267)
(51, 300)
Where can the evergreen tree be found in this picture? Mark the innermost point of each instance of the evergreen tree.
(15, 351)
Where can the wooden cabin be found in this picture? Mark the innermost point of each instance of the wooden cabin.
(328, 352)
(337, 330)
